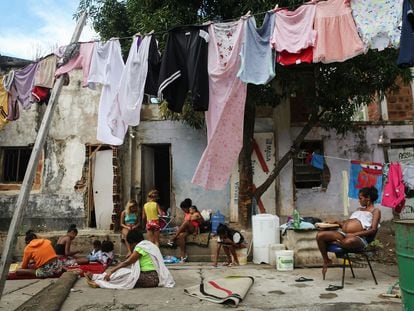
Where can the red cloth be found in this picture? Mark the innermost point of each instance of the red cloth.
(305, 56)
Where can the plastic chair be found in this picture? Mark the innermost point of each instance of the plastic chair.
(344, 253)
(165, 222)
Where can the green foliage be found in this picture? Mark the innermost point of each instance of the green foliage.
(194, 119)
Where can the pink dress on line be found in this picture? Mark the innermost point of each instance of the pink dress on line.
(337, 38)
(227, 98)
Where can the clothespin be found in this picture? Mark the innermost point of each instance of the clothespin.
(150, 33)
(276, 7)
(138, 34)
(247, 15)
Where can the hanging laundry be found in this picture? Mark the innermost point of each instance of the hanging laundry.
(130, 93)
(305, 56)
(8, 80)
(337, 38)
(184, 67)
(41, 94)
(317, 161)
(4, 96)
(378, 22)
(154, 64)
(67, 52)
(224, 117)
(364, 174)
(22, 86)
(257, 58)
(394, 190)
(45, 74)
(408, 178)
(106, 68)
(294, 36)
(406, 55)
(81, 61)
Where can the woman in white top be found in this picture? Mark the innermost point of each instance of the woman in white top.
(355, 232)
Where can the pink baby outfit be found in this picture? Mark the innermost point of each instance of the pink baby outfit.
(294, 34)
(82, 61)
(227, 98)
(337, 38)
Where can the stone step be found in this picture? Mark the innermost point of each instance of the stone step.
(83, 243)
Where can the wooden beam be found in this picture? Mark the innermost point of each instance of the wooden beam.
(27, 183)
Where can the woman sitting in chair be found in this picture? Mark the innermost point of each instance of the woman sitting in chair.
(356, 232)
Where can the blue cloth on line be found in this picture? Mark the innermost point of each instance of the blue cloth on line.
(317, 161)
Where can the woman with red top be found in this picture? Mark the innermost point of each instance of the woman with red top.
(190, 225)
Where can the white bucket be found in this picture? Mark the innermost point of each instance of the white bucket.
(242, 255)
(272, 252)
(284, 260)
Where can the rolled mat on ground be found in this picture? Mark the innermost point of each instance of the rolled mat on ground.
(51, 297)
(230, 290)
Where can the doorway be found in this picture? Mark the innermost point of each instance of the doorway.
(156, 172)
(100, 186)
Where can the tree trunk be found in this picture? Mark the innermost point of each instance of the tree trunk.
(314, 119)
(245, 166)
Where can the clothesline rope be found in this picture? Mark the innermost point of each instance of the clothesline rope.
(247, 15)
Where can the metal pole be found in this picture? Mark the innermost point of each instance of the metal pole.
(24, 193)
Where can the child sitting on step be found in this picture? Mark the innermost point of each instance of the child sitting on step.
(230, 240)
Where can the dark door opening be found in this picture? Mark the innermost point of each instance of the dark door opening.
(156, 172)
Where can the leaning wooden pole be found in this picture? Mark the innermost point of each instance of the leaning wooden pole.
(24, 193)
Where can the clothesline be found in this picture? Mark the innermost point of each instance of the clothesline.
(247, 15)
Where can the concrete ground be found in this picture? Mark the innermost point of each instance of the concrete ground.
(272, 290)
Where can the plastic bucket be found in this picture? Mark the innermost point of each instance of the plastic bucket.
(272, 252)
(404, 238)
(242, 255)
(284, 260)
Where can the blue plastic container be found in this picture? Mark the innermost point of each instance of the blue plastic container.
(216, 219)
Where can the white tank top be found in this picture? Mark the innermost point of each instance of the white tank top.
(364, 217)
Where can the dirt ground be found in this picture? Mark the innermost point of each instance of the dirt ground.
(386, 247)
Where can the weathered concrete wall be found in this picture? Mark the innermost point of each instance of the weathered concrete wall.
(354, 146)
(56, 204)
(187, 146)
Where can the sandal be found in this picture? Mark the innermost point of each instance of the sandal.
(232, 264)
(332, 288)
(303, 279)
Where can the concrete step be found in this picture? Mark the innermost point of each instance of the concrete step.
(83, 243)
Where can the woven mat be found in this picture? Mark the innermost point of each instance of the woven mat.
(230, 290)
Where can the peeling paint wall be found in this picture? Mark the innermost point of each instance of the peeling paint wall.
(56, 204)
(187, 146)
(363, 146)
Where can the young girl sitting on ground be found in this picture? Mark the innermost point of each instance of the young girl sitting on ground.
(231, 240)
(63, 246)
(104, 254)
(150, 212)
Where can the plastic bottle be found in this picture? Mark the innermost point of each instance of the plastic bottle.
(296, 219)
(216, 219)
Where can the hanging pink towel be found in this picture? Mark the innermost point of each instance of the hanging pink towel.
(394, 190)
(82, 61)
(337, 38)
(227, 98)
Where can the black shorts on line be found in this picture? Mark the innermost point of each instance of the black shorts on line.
(184, 68)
